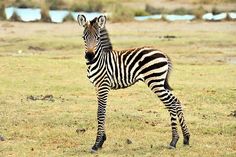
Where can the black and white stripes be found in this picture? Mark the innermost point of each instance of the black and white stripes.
(109, 69)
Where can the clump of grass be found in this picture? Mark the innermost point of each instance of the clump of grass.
(2, 11)
(121, 14)
(152, 10)
(90, 6)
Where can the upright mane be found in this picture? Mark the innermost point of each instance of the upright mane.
(105, 40)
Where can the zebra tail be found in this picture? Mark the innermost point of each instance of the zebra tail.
(166, 83)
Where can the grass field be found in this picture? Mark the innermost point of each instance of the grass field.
(48, 106)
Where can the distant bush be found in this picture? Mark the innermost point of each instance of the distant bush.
(25, 4)
(121, 14)
(45, 12)
(181, 11)
(15, 17)
(215, 11)
(152, 10)
(69, 17)
(2, 11)
(199, 12)
(90, 6)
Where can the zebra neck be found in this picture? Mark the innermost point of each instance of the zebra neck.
(106, 45)
(97, 58)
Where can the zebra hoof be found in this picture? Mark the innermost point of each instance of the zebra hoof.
(173, 142)
(186, 140)
(171, 147)
(93, 149)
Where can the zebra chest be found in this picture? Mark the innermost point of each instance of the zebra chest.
(90, 75)
(95, 74)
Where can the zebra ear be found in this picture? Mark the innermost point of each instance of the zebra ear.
(81, 20)
(101, 21)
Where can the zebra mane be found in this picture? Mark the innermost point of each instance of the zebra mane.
(105, 40)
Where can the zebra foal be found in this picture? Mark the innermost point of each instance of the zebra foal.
(109, 69)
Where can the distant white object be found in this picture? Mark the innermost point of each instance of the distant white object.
(57, 16)
(142, 18)
(25, 14)
(179, 17)
(232, 15)
(167, 17)
(19, 51)
(9, 12)
(28, 14)
(211, 17)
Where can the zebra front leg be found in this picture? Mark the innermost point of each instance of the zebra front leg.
(102, 94)
(175, 136)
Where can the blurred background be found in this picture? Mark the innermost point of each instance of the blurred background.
(171, 10)
(48, 107)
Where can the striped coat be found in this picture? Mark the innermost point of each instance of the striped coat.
(109, 69)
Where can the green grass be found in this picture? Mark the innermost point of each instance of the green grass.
(202, 77)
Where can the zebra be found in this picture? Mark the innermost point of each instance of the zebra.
(108, 69)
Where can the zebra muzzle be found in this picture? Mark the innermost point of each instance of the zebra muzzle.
(89, 56)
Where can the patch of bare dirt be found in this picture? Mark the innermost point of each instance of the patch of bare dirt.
(41, 97)
(36, 48)
(233, 113)
(2, 138)
(80, 130)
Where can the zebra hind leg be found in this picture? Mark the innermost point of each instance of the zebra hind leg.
(169, 100)
(182, 123)
(175, 109)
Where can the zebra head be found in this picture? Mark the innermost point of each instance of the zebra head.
(91, 34)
